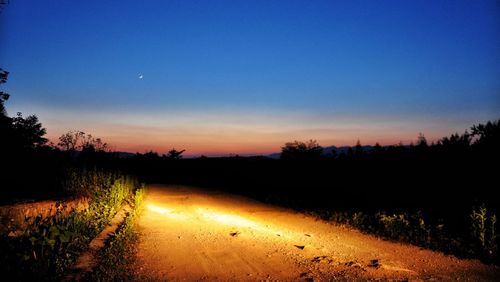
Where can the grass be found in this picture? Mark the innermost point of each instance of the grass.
(119, 253)
(48, 246)
(413, 228)
(483, 231)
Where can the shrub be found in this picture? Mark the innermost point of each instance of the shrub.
(483, 231)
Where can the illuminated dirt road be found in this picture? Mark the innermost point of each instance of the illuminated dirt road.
(189, 234)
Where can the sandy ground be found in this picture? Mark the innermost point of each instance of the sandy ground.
(189, 234)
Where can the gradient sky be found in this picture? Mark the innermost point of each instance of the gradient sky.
(245, 77)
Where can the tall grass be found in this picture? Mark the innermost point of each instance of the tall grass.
(483, 231)
(413, 228)
(119, 252)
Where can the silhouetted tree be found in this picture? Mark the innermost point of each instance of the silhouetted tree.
(29, 132)
(70, 141)
(150, 155)
(18, 132)
(3, 95)
(377, 149)
(456, 141)
(422, 141)
(28, 166)
(5, 120)
(487, 134)
(358, 149)
(79, 140)
(90, 143)
(174, 154)
(301, 150)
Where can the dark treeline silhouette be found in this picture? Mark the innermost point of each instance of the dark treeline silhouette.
(31, 168)
(457, 171)
(23, 152)
(443, 180)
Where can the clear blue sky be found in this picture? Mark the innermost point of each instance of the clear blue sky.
(247, 76)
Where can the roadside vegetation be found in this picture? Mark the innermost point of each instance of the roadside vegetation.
(453, 210)
(481, 240)
(115, 259)
(48, 246)
(78, 167)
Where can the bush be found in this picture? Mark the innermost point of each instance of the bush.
(48, 246)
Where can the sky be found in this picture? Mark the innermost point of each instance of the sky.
(244, 77)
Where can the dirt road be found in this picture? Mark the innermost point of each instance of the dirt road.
(189, 234)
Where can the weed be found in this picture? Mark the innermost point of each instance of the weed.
(48, 246)
(119, 252)
(482, 229)
(413, 228)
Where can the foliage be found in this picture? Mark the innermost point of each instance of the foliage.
(407, 227)
(404, 227)
(28, 131)
(48, 246)
(413, 228)
(107, 200)
(456, 141)
(3, 76)
(18, 133)
(70, 140)
(119, 252)
(358, 149)
(3, 95)
(483, 231)
(174, 154)
(79, 140)
(421, 141)
(487, 135)
(22, 149)
(301, 150)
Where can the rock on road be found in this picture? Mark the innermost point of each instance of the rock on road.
(190, 234)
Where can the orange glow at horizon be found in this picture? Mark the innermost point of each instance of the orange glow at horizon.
(242, 134)
(241, 146)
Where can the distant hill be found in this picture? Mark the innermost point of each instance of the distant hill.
(344, 149)
(124, 155)
(328, 150)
